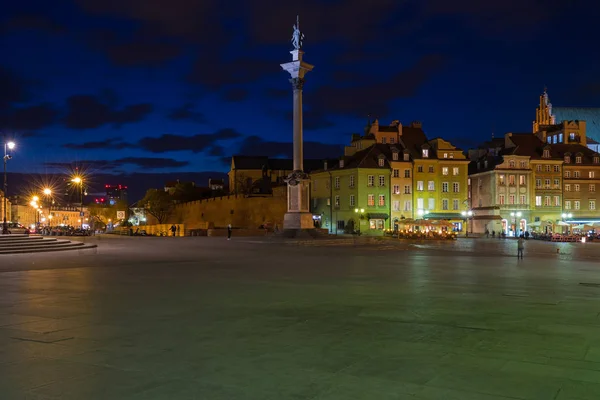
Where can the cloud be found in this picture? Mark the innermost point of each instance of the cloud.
(111, 143)
(185, 112)
(152, 162)
(196, 143)
(88, 112)
(32, 22)
(13, 87)
(29, 118)
(278, 93)
(142, 162)
(235, 95)
(311, 120)
(255, 146)
(220, 71)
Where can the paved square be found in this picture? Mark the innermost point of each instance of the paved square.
(256, 318)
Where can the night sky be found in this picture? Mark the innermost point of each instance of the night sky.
(154, 86)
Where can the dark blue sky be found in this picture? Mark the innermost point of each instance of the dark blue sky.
(180, 85)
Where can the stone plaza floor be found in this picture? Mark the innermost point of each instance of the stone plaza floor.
(260, 318)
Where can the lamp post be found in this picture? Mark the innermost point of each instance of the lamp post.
(565, 216)
(79, 181)
(360, 217)
(516, 215)
(468, 215)
(7, 146)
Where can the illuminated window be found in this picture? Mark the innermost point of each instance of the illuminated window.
(431, 186)
(445, 171)
(381, 162)
(336, 182)
(455, 171)
(455, 187)
(381, 200)
(445, 204)
(395, 156)
(425, 153)
(396, 189)
(371, 200)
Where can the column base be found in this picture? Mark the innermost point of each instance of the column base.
(298, 220)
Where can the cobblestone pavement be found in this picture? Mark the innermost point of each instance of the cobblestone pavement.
(261, 318)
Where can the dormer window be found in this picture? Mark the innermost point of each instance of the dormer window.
(596, 159)
(445, 155)
(567, 159)
(546, 153)
(451, 155)
(395, 156)
(511, 164)
(578, 160)
(381, 162)
(572, 136)
(485, 164)
(425, 153)
(341, 163)
(549, 139)
(406, 157)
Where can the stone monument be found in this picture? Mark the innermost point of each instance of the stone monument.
(298, 217)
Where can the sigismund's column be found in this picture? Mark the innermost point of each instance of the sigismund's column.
(298, 216)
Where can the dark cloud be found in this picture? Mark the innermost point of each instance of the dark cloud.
(88, 112)
(217, 74)
(185, 112)
(311, 120)
(142, 162)
(12, 87)
(28, 118)
(360, 100)
(196, 143)
(111, 143)
(32, 22)
(235, 95)
(255, 146)
(152, 162)
(278, 93)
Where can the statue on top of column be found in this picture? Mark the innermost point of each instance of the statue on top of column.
(297, 36)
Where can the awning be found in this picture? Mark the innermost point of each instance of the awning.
(443, 216)
(377, 216)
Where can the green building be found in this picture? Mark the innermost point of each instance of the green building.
(357, 182)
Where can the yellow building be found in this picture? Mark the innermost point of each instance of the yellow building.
(401, 183)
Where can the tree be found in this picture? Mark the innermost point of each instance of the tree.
(158, 203)
(102, 213)
(243, 184)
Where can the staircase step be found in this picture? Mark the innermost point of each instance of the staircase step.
(35, 244)
(71, 247)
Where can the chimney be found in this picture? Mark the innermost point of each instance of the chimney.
(325, 165)
(416, 124)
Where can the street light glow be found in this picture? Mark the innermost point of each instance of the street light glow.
(35, 199)
(47, 191)
(10, 145)
(77, 179)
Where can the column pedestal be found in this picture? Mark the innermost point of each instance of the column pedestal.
(298, 217)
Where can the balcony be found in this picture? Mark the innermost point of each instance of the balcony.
(516, 207)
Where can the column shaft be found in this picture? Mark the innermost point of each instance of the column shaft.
(298, 151)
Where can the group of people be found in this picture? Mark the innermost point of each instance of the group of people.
(520, 241)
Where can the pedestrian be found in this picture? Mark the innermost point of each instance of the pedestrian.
(493, 234)
(229, 232)
(487, 233)
(526, 235)
(520, 247)
(173, 230)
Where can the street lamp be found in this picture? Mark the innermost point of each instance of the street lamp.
(468, 215)
(7, 146)
(362, 211)
(516, 215)
(79, 181)
(565, 216)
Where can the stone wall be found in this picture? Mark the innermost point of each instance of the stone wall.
(239, 211)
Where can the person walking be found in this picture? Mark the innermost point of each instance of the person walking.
(229, 232)
(173, 230)
(520, 247)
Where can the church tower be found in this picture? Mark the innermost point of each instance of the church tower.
(543, 114)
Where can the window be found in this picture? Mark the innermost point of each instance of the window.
(567, 204)
(572, 136)
(538, 201)
(342, 166)
(431, 169)
(431, 204)
(547, 201)
(395, 156)
(425, 153)
(377, 224)
(444, 187)
(371, 180)
(567, 187)
(577, 204)
(556, 201)
(548, 168)
(407, 173)
(538, 168)
(511, 199)
(546, 183)
(408, 205)
(396, 189)
(538, 183)
(521, 180)
(337, 201)
(352, 200)
(567, 160)
(501, 179)
(592, 204)
(406, 157)
(557, 168)
(511, 164)
(567, 174)
(406, 189)
(420, 204)
(576, 187)
(575, 174)
(392, 141)
(549, 139)
(396, 205)
(420, 168)
(336, 182)
(340, 225)
(445, 171)
(501, 199)
(396, 173)
(371, 200)
(381, 180)
(523, 164)
(381, 162)
(546, 153)
(444, 204)
(455, 187)
(560, 137)
(351, 182)
(592, 187)
(455, 171)
(381, 200)
(556, 184)
(554, 139)
(578, 160)
(445, 155)
(328, 202)
(596, 159)
(420, 185)
(383, 140)
(522, 199)
(431, 186)
(485, 163)
(591, 174)
(455, 204)
(451, 155)
(511, 180)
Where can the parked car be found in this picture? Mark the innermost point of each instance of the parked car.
(17, 229)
